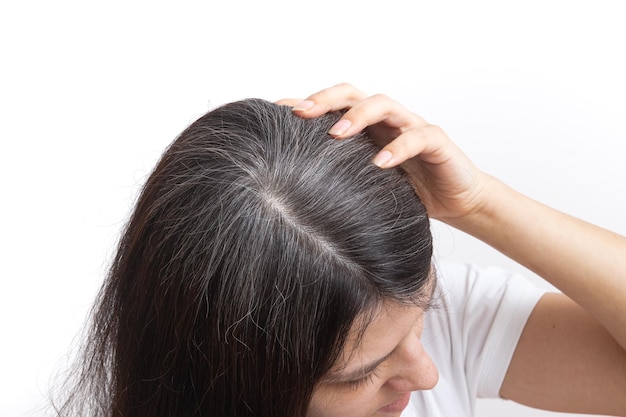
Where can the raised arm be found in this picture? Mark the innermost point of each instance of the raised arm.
(572, 354)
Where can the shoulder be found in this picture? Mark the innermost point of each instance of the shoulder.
(469, 288)
(473, 328)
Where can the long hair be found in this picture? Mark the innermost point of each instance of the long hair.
(254, 246)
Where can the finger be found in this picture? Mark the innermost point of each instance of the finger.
(426, 141)
(291, 102)
(374, 110)
(338, 97)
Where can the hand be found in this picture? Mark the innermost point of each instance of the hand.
(445, 179)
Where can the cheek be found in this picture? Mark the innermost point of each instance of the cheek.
(344, 402)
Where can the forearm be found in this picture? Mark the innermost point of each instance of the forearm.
(584, 261)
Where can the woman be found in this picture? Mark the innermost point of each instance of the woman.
(271, 270)
(571, 354)
(249, 257)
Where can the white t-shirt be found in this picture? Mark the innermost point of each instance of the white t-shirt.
(471, 334)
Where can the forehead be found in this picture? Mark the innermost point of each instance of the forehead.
(378, 338)
(393, 313)
(376, 333)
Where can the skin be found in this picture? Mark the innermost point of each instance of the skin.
(394, 337)
(571, 356)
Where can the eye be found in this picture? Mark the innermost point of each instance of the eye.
(367, 379)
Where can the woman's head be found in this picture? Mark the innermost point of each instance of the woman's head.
(257, 245)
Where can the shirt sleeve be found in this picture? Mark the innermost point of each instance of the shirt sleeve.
(488, 309)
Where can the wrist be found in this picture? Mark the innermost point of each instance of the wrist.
(483, 210)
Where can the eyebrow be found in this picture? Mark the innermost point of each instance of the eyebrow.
(365, 370)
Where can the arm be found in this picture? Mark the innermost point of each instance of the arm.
(572, 354)
(584, 261)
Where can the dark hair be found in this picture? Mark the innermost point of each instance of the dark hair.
(256, 243)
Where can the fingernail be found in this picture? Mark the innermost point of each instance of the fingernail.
(340, 127)
(382, 158)
(303, 105)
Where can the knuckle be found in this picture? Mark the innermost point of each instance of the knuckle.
(436, 130)
(380, 97)
(345, 85)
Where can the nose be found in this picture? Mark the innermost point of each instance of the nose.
(415, 370)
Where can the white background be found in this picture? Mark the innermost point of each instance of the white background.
(92, 92)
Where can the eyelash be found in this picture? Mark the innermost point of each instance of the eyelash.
(357, 383)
